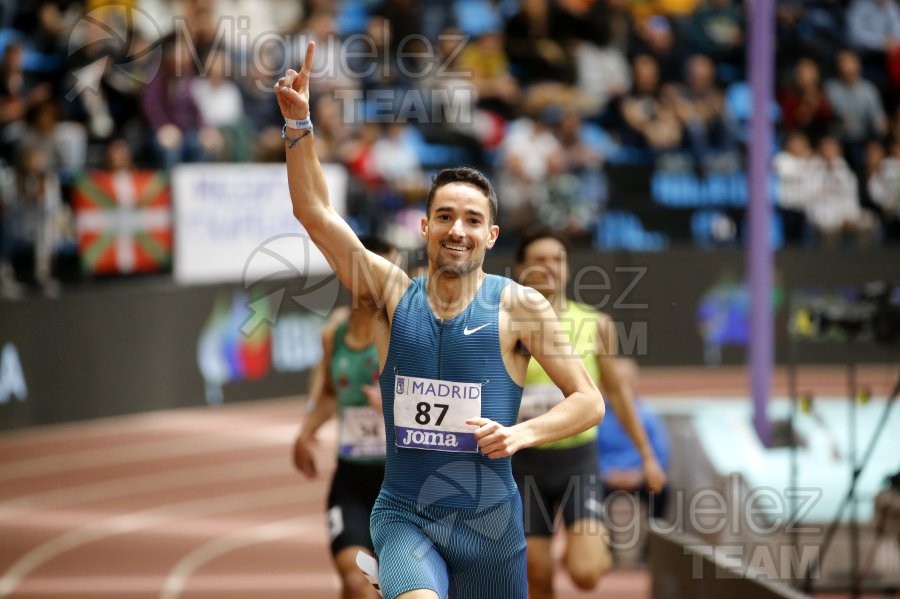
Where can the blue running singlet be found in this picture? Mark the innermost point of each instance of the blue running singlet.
(448, 518)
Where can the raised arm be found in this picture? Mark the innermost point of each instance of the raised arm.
(365, 274)
(621, 399)
(533, 322)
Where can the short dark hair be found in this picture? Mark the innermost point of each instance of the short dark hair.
(463, 174)
(537, 233)
(377, 245)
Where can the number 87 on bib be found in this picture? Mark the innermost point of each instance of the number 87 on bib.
(432, 414)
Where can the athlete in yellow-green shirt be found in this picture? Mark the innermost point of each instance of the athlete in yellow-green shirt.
(563, 476)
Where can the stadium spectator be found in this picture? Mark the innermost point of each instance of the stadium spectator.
(104, 80)
(620, 24)
(370, 64)
(259, 104)
(119, 157)
(484, 59)
(576, 184)
(700, 106)
(648, 115)
(656, 37)
(334, 134)
(221, 107)
(198, 30)
(9, 287)
(476, 85)
(856, 104)
(449, 94)
(64, 143)
(603, 74)
(873, 28)
(49, 35)
(717, 29)
(321, 27)
(812, 29)
(884, 188)
(834, 207)
(796, 168)
(172, 112)
(406, 20)
(804, 104)
(18, 93)
(537, 43)
(38, 223)
(525, 158)
(395, 160)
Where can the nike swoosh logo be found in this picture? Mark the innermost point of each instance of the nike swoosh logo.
(467, 331)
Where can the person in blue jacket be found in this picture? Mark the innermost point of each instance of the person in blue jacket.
(621, 467)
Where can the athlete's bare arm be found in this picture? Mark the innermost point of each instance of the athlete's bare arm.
(621, 400)
(368, 276)
(322, 396)
(528, 318)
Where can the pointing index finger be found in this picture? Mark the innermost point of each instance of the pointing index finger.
(302, 79)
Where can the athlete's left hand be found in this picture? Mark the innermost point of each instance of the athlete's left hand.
(654, 475)
(495, 440)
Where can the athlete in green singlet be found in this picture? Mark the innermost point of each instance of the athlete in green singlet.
(563, 476)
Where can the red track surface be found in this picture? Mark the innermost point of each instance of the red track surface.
(205, 503)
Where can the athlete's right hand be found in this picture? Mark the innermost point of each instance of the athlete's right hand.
(304, 460)
(495, 440)
(292, 90)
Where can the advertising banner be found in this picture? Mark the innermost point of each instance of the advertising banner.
(227, 212)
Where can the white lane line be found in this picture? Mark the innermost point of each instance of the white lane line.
(145, 483)
(148, 451)
(134, 521)
(326, 582)
(264, 533)
(163, 420)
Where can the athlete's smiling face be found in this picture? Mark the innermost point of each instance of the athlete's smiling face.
(458, 230)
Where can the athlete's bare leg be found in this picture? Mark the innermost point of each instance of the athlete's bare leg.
(540, 567)
(587, 558)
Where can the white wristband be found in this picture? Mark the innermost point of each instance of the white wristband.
(299, 123)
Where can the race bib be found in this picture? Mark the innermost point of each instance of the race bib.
(432, 414)
(362, 433)
(538, 400)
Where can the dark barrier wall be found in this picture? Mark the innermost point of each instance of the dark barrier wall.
(691, 307)
(684, 567)
(118, 351)
(128, 347)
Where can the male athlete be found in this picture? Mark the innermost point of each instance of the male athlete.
(448, 519)
(563, 478)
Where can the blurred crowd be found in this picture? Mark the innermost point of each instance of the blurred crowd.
(545, 95)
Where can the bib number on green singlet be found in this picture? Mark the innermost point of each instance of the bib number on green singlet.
(361, 433)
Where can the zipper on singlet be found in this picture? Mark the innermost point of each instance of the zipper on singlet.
(440, 347)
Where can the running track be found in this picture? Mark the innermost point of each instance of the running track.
(204, 502)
